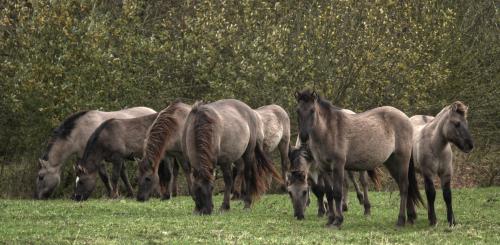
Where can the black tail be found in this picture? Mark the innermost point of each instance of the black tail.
(414, 197)
(256, 173)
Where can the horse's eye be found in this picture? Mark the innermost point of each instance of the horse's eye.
(304, 193)
(40, 177)
(457, 124)
(147, 179)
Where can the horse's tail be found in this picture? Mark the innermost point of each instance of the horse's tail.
(414, 197)
(203, 132)
(256, 173)
(375, 175)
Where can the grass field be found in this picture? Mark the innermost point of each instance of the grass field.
(270, 221)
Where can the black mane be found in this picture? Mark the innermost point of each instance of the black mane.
(63, 131)
(308, 96)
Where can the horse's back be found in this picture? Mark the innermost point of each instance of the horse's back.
(275, 125)
(420, 119)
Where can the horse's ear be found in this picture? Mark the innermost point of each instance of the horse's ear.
(81, 169)
(42, 163)
(314, 95)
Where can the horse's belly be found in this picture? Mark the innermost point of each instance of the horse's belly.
(233, 145)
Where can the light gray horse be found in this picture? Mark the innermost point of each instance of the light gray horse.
(432, 153)
(163, 138)
(276, 126)
(364, 141)
(71, 137)
(115, 141)
(220, 133)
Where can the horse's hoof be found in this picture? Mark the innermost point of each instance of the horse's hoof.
(361, 199)
(165, 198)
(224, 208)
(401, 222)
(368, 213)
(344, 208)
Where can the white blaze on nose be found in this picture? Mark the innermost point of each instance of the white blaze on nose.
(77, 179)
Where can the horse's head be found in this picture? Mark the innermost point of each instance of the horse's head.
(456, 128)
(306, 112)
(147, 180)
(202, 193)
(297, 184)
(47, 180)
(85, 182)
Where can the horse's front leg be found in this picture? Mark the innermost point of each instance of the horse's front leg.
(338, 195)
(115, 176)
(175, 175)
(105, 178)
(446, 186)
(319, 192)
(228, 184)
(186, 167)
(345, 197)
(359, 195)
(285, 161)
(430, 192)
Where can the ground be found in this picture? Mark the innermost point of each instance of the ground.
(102, 221)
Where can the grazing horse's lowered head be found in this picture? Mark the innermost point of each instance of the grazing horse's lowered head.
(455, 127)
(297, 184)
(47, 180)
(85, 182)
(147, 180)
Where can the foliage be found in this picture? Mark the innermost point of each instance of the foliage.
(58, 57)
(270, 222)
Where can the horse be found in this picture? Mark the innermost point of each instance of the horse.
(220, 133)
(364, 141)
(163, 138)
(276, 135)
(69, 138)
(115, 141)
(432, 154)
(304, 175)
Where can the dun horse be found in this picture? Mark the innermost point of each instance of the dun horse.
(163, 138)
(364, 141)
(220, 133)
(304, 175)
(432, 153)
(115, 141)
(71, 137)
(276, 125)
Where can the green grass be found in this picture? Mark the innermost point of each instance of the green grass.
(270, 221)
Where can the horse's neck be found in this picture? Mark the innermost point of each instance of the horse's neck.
(59, 152)
(438, 140)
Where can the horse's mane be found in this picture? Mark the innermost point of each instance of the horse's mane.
(93, 141)
(164, 126)
(458, 106)
(62, 131)
(203, 133)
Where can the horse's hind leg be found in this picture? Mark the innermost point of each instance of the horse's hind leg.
(105, 178)
(430, 192)
(238, 178)
(285, 162)
(359, 195)
(126, 181)
(398, 169)
(446, 186)
(364, 183)
(228, 184)
(175, 175)
(345, 197)
(165, 175)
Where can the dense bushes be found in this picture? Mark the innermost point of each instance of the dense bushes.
(58, 57)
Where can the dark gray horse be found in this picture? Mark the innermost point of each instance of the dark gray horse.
(71, 138)
(163, 138)
(305, 175)
(220, 133)
(115, 141)
(340, 141)
(432, 153)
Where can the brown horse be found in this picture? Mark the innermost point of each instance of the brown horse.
(163, 138)
(364, 141)
(220, 133)
(432, 153)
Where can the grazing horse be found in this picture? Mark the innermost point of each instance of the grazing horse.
(276, 125)
(304, 175)
(432, 153)
(163, 138)
(71, 137)
(115, 141)
(220, 133)
(364, 141)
